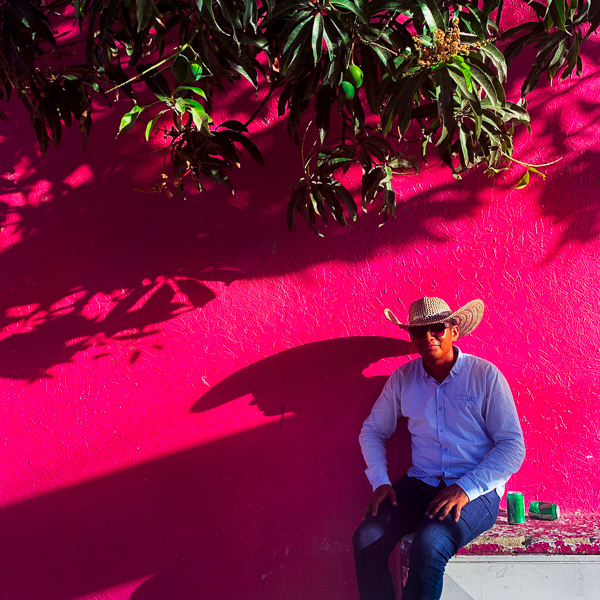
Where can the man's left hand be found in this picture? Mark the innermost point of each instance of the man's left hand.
(450, 499)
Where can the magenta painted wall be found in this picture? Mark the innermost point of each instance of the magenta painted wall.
(183, 382)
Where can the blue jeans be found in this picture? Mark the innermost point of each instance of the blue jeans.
(435, 541)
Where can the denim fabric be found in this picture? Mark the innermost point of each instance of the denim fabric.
(434, 544)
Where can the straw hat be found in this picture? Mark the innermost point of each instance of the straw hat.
(427, 311)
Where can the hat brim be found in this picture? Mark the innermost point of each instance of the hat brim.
(468, 318)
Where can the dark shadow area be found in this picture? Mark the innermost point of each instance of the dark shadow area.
(304, 380)
(266, 513)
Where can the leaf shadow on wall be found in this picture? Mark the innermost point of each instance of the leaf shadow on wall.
(305, 380)
(265, 513)
(565, 129)
(94, 267)
(571, 198)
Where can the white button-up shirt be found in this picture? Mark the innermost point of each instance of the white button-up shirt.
(464, 430)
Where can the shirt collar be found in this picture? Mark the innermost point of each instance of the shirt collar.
(460, 358)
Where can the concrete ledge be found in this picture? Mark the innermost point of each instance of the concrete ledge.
(522, 576)
(576, 535)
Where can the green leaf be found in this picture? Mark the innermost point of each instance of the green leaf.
(484, 81)
(401, 163)
(331, 45)
(254, 152)
(196, 90)
(557, 11)
(531, 80)
(523, 181)
(389, 204)
(195, 104)
(249, 74)
(459, 78)
(152, 123)
(341, 28)
(352, 7)
(444, 102)
(330, 166)
(206, 10)
(155, 81)
(290, 44)
(250, 14)
(345, 196)
(179, 68)
(465, 69)
(317, 38)
(199, 117)
(497, 59)
(129, 119)
(195, 70)
(370, 184)
(517, 46)
(478, 21)
(406, 100)
(558, 59)
(180, 105)
(328, 193)
(391, 105)
(377, 147)
(431, 14)
(319, 205)
(297, 201)
(572, 56)
(466, 145)
(143, 12)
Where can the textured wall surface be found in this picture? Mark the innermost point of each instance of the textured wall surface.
(183, 382)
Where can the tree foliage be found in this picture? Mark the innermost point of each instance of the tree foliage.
(352, 77)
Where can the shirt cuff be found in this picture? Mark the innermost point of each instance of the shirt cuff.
(468, 487)
(378, 479)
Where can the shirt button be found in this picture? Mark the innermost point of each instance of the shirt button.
(439, 408)
(445, 449)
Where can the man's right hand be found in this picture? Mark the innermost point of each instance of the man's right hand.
(379, 495)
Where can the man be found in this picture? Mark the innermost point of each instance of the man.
(466, 442)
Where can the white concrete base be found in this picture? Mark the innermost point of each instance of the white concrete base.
(528, 577)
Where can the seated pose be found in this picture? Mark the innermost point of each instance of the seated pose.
(466, 442)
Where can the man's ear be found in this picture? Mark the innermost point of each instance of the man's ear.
(455, 332)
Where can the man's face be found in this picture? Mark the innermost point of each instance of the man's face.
(436, 349)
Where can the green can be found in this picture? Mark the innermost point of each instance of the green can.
(545, 511)
(515, 507)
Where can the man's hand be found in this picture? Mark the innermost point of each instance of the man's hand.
(379, 495)
(451, 498)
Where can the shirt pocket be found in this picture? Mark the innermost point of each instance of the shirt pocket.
(466, 406)
(475, 400)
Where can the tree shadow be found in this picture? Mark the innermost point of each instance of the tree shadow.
(267, 513)
(570, 196)
(91, 265)
(290, 381)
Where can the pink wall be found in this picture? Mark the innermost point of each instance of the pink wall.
(183, 382)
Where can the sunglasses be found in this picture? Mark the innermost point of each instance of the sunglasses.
(420, 332)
